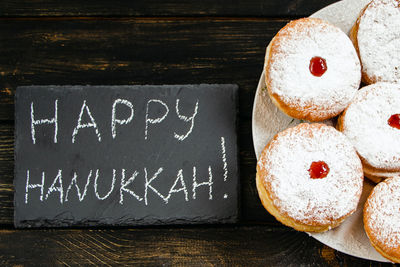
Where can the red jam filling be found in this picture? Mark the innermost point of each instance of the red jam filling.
(318, 66)
(394, 121)
(318, 170)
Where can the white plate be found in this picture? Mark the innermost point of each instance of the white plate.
(349, 237)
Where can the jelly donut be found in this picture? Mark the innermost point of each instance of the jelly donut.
(312, 70)
(372, 124)
(309, 177)
(382, 218)
(376, 37)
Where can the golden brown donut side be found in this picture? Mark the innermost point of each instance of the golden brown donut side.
(268, 203)
(276, 99)
(374, 174)
(389, 253)
(269, 206)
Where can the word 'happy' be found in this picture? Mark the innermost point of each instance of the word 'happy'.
(114, 120)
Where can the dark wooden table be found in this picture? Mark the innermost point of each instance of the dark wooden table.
(46, 42)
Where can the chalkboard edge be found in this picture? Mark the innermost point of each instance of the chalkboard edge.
(37, 224)
(17, 92)
(40, 223)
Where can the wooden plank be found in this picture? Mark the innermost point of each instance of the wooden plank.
(195, 246)
(133, 51)
(6, 173)
(18, 8)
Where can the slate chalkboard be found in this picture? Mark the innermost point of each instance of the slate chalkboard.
(125, 155)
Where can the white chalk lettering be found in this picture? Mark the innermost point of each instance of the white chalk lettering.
(74, 181)
(209, 183)
(32, 186)
(224, 158)
(125, 184)
(154, 120)
(148, 185)
(115, 121)
(91, 124)
(95, 186)
(186, 119)
(53, 187)
(44, 121)
(182, 188)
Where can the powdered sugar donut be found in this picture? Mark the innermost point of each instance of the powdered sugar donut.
(376, 36)
(371, 122)
(309, 177)
(312, 70)
(382, 218)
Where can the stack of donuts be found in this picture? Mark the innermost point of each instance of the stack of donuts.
(310, 177)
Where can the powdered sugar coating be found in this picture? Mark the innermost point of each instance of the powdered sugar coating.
(284, 167)
(365, 123)
(289, 77)
(382, 214)
(378, 40)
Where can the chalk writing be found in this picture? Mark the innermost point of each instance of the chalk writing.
(125, 155)
(186, 119)
(96, 186)
(154, 120)
(196, 184)
(74, 181)
(179, 178)
(179, 185)
(44, 121)
(91, 124)
(124, 184)
(148, 185)
(115, 121)
(59, 188)
(32, 186)
(224, 158)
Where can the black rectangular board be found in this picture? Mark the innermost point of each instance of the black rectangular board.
(125, 155)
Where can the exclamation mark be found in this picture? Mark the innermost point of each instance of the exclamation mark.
(224, 162)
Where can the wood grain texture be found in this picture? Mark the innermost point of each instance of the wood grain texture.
(133, 51)
(18, 8)
(207, 246)
(6, 173)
